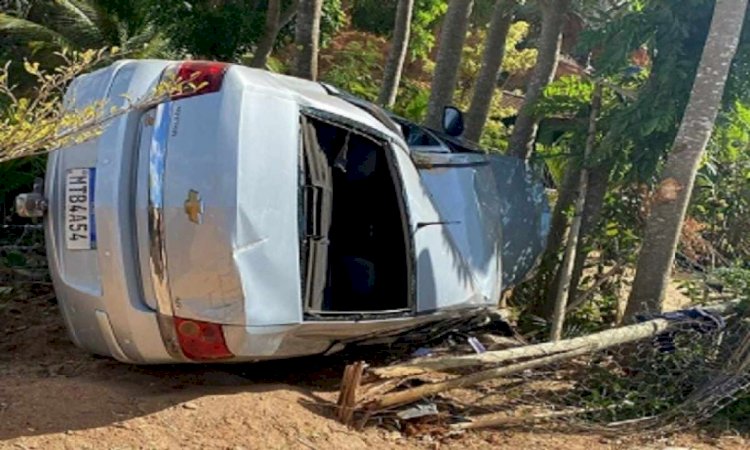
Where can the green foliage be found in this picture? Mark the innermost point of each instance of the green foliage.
(412, 100)
(357, 68)
(556, 158)
(377, 16)
(642, 109)
(567, 97)
(640, 132)
(374, 16)
(333, 19)
(34, 124)
(352, 69)
(734, 416)
(618, 235)
(516, 59)
(51, 26)
(621, 388)
(495, 134)
(276, 65)
(427, 14)
(207, 29)
(18, 175)
(228, 30)
(735, 279)
(721, 198)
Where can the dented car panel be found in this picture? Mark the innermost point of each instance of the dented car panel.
(462, 189)
(271, 218)
(525, 215)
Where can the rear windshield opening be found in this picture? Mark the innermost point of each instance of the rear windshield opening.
(353, 245)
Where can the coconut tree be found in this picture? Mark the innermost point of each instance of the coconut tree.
(492, 61)
(670, 200)
(307, 38)
(452, 38)
(397, 55)
(276, 19)
(550, 40)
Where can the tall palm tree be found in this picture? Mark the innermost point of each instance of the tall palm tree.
(275, 21)
(307, 37)
(670, 201)
(550, 40)
(452, 37)
(492, 61)
(397, 54)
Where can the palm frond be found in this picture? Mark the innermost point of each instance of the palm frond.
(147, 43)
(70, 19)
(83, 11)
(19, 29)
(106, 23)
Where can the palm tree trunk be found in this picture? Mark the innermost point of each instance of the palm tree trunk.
(548, 277)
(452, 38)
(275, 21)
(670, 201)
(492, 61)
(524, 132)
(597, 189)
(397, 55)
(307, 37)
(566, 268)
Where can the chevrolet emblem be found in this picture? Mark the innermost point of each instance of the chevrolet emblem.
(194, 207)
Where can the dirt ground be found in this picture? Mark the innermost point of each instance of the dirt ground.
(53, 395)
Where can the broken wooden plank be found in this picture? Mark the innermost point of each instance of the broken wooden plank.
(411, 395)
(348, 393)
(345, 382)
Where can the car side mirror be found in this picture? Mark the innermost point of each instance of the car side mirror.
(453, 121)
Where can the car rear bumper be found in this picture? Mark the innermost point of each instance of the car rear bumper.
(98, 290)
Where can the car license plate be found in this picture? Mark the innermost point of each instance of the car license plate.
(80, 232)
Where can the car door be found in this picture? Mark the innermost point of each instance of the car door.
(458, 244)
(525, 216)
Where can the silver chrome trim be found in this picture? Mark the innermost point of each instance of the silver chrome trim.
(157, 160)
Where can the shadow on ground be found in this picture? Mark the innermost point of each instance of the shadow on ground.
(50, 386)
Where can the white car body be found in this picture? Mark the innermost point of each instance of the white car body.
(198, 241)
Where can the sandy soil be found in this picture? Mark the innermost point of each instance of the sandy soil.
(53, 395)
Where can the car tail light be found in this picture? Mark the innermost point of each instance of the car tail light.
(201, 341)
(206, 76)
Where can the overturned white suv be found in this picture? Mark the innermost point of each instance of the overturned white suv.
(269, 217)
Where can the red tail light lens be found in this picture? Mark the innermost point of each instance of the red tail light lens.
(201, 341)
(206, 76)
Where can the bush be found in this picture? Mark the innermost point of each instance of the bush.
(374, 16)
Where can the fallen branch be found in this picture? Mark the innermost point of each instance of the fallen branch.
(592, 343)
(495, 420)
